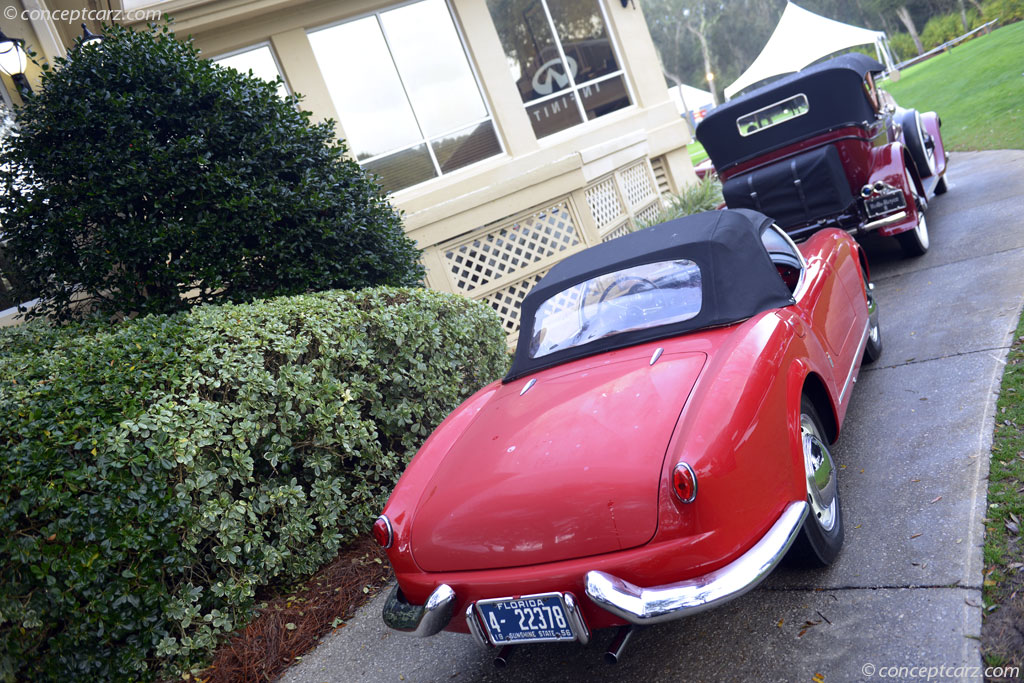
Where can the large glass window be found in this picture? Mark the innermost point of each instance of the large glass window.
(562, 59)
(260, 61)
(407, 98)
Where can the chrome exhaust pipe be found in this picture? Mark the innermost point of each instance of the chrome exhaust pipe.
(618, 643)
(501, 659)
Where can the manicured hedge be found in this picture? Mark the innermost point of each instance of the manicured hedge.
(156, 473)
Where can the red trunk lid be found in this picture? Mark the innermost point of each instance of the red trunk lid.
(569, 469)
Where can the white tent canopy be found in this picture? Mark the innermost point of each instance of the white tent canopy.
(688, 98)
(801, 38)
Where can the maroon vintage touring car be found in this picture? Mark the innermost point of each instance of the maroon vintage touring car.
(825, 147)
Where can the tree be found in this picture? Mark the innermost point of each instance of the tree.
(144, 179)
(679, 26)
(903, 10)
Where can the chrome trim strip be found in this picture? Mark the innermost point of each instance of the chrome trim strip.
(474, 625)
(663, 603)
(391, 531)
(529, 385)
(420, 621)
(657, 354)
(856, 357)
(882, 222)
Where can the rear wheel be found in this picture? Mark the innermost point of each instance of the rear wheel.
(919, 144)
(873, 349)
(915, 242)
(821, 536)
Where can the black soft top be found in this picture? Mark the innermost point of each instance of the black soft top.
(835, 98)
(738, 278)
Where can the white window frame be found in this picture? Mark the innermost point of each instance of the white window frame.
(574, 88)
(251, 48)
(423, 139)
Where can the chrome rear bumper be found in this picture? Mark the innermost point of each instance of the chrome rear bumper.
(663, 603)
(420, 620)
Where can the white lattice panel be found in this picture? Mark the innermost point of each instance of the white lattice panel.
(511, 247)
(636, 184)
(648, 214)
(617, 232)
(604, 202)
(506, 301)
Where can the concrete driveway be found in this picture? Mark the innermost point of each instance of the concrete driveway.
(906, 591)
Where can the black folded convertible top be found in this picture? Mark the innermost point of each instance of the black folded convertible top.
(835, 95)
(737, 274)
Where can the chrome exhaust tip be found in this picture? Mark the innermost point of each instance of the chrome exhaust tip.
(618, 644)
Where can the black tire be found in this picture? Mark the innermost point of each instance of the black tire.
(916, 139)
(941, 186)
(821, 536)
(915, 242)
(873, 349)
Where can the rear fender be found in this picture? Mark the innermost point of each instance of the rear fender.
(890, 165)
(401, 505)
(932, 126)
(733, 433)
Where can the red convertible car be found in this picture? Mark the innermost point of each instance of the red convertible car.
(660, 442)
(825, 147)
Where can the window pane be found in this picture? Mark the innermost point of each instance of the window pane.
(466, 147)
(433, 67)
(632, 299)
(260, 61)
(403, 169)
(529, 47)
(604, 97)
(584, 39)
(554, 115)
(365, 88)
(772, 115)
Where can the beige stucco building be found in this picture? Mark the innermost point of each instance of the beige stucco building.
(510, 133)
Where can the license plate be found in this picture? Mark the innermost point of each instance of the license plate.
(532, 618)
(882, 204)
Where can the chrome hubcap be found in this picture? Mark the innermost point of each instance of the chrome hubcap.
(821, 475)
(873, 332)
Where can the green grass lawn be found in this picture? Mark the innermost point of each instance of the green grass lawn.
(697, 153)
(977, 89)
(1004, 520)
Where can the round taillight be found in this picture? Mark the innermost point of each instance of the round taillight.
(382, 532)
(684, 483)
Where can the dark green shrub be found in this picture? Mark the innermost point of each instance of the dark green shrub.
(943, 28)
(903, 46)
(1006, 11)
(157, 473)
(145, 179)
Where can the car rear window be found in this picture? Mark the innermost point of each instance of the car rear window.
(773, 114)
(635, 298)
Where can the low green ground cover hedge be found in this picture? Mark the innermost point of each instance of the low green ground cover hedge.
(155, 474)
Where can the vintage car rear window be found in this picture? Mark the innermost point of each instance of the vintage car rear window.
(634, 298)
(773, 114)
